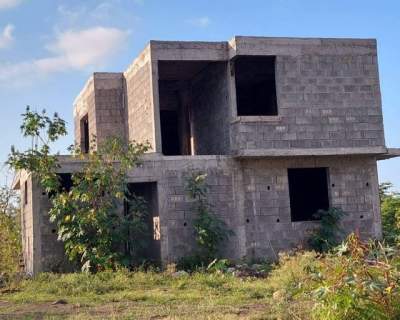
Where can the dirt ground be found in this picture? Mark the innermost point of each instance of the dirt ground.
(120, 310)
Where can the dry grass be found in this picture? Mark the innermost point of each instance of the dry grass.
(138, 295)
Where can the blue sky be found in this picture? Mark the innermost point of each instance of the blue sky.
(48, 48)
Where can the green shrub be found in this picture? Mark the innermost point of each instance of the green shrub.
(191, 263)
(328, 234)
(357, 280)
(219, 265)
(10, 236)
(390, 210)
(210, 230)
(360, 281)
(287, 283)
(88, 217)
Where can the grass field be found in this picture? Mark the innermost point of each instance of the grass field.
(138, 295)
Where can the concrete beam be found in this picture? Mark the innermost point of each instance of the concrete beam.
(391, 153)
(254, 153)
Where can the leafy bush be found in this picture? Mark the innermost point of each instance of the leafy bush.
(97, 235)
(327, 235)
(89, 217)
(10, 237)
(219, 265)
(359, 280)
(191, 263)
(288, 282)
(210, 230)
(390, 210)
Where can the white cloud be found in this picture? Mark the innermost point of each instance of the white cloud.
(6, 36)
(6, 4)
(106, 11)
(200, 22)
(71, 50)
(80, 49)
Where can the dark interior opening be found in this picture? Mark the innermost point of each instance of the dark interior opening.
(255, 86)
(65, 181)
(26, 192)
(148, 191)
(85, 139)
(180, 85)
(308, 190)
(169, 132)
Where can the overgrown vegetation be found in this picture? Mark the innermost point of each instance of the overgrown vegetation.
(91, 223)
(328, 234)
(10, 237)
(96, 233)
(137, 295)
(210, 230)
(390, 210)
(352, 280)
(359, 280)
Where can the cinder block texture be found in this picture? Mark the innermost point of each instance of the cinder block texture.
(211, 110)
(103, 102)
(327, 91)
(111, 111)
(251, 196)
(353, 184)
(42, 252)
(139, 100)
(85, 105)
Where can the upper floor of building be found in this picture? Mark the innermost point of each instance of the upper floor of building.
(251, 96)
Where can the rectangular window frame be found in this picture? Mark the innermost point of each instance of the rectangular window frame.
(25, 192)
(255, 117)
(85, 136)
(325, 203)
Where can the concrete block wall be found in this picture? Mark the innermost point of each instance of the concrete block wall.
(41, 250)
(176, 209)
(252, 196)
(85, 105)
(110, 109)
(211, 110)
(327, 91)
(103, 101)
(353, 187)
(27, 222)
(328, 96)
(139, 91)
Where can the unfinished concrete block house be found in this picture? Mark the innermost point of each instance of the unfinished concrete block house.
(282, 127)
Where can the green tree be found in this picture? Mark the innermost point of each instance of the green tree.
(90, 219)
(10, 237)
(42, 131)
(91, 222)
(390, 210)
